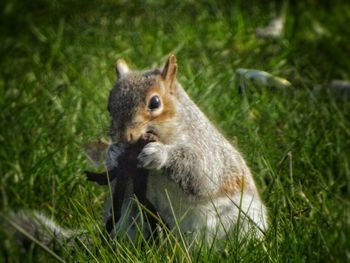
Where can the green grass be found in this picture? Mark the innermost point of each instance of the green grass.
(56, 69)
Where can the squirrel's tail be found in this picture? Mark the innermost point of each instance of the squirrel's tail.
(32, 226)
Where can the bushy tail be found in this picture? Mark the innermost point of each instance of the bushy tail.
(32, 226)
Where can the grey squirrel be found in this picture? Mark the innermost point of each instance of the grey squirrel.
(197, 181)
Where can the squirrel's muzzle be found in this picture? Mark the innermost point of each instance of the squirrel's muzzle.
(129, 136)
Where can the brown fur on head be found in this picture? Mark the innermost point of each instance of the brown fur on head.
(143, 103)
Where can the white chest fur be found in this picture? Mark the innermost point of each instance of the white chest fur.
(213, 217)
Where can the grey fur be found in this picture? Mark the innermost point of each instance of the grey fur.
(27, 226)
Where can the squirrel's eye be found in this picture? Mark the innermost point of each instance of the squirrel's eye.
(154, 103)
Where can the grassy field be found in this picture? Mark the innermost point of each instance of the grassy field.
(56, 69)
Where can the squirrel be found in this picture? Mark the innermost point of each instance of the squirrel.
(197, 181)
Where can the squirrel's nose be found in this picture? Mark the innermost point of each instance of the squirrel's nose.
(129, 137)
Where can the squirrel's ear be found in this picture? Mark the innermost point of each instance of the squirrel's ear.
(169, 73)
(121, 68)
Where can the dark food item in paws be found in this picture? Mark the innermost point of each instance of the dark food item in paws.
(125, 171)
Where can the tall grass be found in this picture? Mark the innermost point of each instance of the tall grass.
(56, 69)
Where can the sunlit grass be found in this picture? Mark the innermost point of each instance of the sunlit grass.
(57, 66)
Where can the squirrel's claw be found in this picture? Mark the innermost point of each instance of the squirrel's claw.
(153, 156)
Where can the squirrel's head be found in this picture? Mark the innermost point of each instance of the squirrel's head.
(143, 102)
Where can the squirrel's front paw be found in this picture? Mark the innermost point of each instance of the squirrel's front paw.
(153, 156)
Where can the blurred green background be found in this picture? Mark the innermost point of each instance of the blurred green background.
(56, 69)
